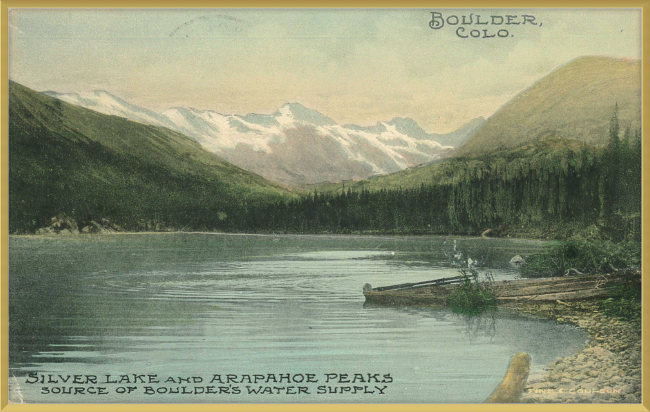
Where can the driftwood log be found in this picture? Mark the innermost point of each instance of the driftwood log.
(519, 290)
(513, 384)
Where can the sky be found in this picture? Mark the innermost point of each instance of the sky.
(354, 66)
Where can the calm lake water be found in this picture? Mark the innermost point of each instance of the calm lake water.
(199, 305)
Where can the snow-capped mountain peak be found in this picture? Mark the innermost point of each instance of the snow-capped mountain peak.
(295, 145)
(300, 113)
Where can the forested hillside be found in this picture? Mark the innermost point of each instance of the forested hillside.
(553, 188)
(67, 161)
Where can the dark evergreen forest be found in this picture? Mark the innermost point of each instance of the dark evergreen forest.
(556, 193)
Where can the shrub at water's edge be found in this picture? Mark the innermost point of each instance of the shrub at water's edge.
(472, 297)
(625, 297)
(593, 257)
(582, 257)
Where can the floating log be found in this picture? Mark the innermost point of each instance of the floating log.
(435, 292)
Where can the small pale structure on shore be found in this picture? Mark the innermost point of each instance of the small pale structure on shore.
(517, 261)
(367, 287)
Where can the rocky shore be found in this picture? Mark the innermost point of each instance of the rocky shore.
(608, 370)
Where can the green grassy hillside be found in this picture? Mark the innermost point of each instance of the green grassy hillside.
(66, 160)
(575, 101)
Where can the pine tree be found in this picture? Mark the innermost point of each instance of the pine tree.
(609, 174)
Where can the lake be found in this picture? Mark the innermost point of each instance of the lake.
(197, 306)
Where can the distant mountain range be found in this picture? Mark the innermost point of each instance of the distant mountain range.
(295, 145)
(167, 170)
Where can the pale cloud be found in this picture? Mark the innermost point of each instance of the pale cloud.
(355, 66)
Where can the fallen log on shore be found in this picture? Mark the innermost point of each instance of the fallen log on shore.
(513, 384)
(519, 290)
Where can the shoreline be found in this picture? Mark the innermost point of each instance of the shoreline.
(78, 235)
(607, 370)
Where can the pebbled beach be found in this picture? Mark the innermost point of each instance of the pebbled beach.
(608, 370)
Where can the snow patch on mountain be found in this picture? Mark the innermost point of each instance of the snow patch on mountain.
(295, 145)
(103, 102)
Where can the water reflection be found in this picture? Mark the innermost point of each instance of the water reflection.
(483, 326)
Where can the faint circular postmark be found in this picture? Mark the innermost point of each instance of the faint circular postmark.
(211, 25)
